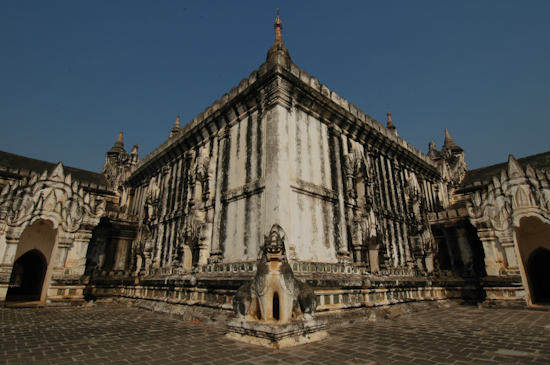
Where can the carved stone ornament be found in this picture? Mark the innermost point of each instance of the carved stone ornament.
(511, 196)
(53, 197)
(274, 296)
(152, 201)
(458, 168)
(114, 170)
(203, 175)
(355, 167)
(275, 310)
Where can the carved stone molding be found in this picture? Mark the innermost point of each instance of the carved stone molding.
(508, 198)
(50, 196)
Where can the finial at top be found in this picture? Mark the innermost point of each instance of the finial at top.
(119, 140)
(278, 54)
(390, 124)
(278, 26)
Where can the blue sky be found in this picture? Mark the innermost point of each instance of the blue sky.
(74, 73)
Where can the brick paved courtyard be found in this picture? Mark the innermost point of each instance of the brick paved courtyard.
(112, 334)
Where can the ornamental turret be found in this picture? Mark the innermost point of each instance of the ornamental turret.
(390, 124)
(176, 128)
(118, 164)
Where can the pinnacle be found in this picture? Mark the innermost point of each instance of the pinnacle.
(449, 142)
(119, 145)
(390, 124)
(278, 52)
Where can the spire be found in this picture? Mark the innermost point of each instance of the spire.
(433, 152)
(278, 28)
(118, 146)
(390, 125)
(278, 52)
(449, 143)
(515, 170)
(176, 128)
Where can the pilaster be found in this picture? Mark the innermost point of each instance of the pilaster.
(64, 244)
(10, 250)
(277, 174)
(81, 242)
(341, 238)
(493, 261)
(216, 254)
(512, 261)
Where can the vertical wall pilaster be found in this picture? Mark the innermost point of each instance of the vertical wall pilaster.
(493, 261)
(277, 174)
(341, 237)
(81, 242)
(64, 243)
(222, 165)
(10, 250)
(509, 247)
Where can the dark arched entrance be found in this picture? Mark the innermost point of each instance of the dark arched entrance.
(538, 269)
(27, 277)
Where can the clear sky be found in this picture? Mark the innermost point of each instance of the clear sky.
(74, 73)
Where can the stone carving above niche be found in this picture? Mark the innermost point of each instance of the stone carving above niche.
(51, 196)
(516, 193)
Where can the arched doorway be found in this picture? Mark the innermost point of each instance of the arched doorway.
(538, 271)
(533, 240)
(27, 277)
(31, 270)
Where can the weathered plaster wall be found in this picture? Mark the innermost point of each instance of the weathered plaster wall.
(311, 232)
(242, 193)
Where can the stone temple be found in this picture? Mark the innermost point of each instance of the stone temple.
(279, 174)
